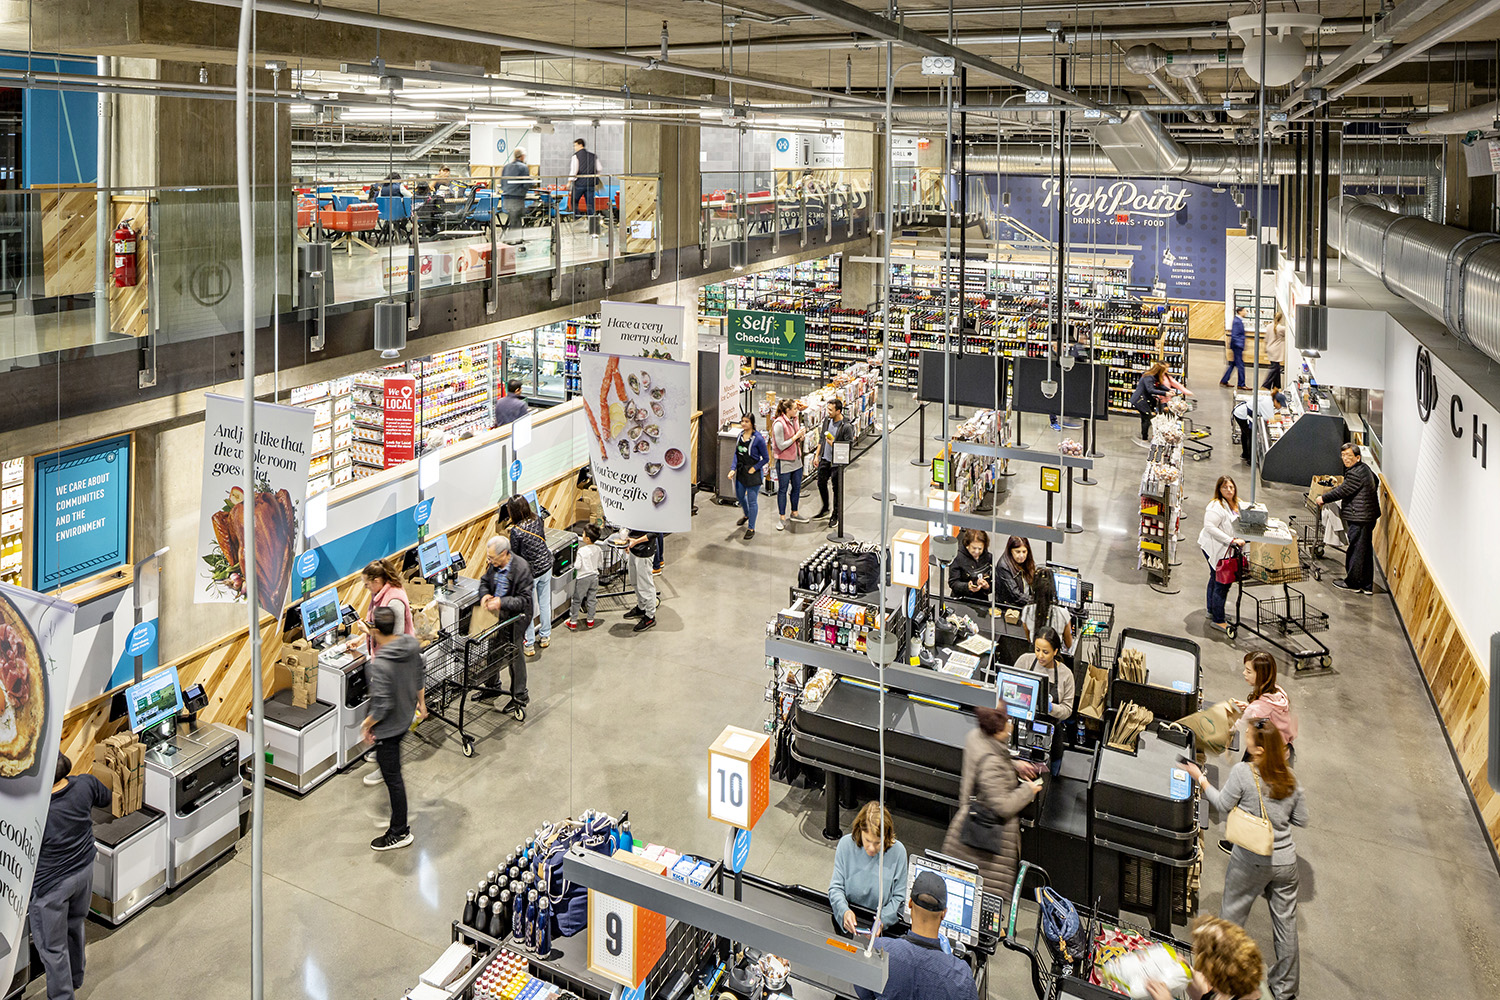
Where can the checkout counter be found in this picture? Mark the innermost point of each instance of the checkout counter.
(1305, 441)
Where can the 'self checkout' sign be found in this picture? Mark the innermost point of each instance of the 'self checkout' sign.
(82, 512)
(771, 335)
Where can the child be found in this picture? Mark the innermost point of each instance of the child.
(586, 580)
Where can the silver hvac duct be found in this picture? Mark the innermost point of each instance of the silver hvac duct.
(1453, 275)
(1483, 118)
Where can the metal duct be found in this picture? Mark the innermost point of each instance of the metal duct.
(1451, 274)
(1483, 118)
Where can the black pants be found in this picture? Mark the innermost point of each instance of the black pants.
(1273, 380)
(1359, 560)
(825, 473)
(388, 759)
(1247, 434)
(582, 193)
(57, 932)
(505, 651)
(1146, 424)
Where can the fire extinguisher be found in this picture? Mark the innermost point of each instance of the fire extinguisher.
(125, 244)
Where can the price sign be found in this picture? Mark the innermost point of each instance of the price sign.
(625, 941)
(841, 452)
(1051, 479)
(910, 551)
(739, 777)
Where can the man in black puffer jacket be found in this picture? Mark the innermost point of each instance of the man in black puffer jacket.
(1360, 495)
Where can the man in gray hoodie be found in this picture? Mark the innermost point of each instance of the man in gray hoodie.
(395, 679)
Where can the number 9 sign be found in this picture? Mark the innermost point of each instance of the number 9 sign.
(739, 777)
(625, 941)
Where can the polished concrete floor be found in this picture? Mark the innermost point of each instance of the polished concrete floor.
(1400, 896)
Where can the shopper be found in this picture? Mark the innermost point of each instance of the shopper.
(583, 176)
(528, 539)
(1236, 349)
(1045, 612)
(586, 568)
(835, 428)
(383, 581)
(751, 459)
(1015, 571)
(1226, 964)
(394, 677)
(641, 546)
(1043, 659)
(787, 433)
(64, 881)
(1217, 540)
(972, 571)
(1147, 397)
(515, 177)
(917, 965)
(506, 590)
(1275, 350)
(512, 406)
(1360, 498)
(869, 871)
(1264, 786)
(991, 781)
(1267, 700)
(1244, 414)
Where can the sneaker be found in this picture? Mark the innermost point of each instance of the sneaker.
(374, 778)
(391, 841)
(530, 648)
(749, 533)
(545, 641)
(644, 624)
(635, 613)
(798, 518)
(591, 623)
(1344, 585)
(656, 571)
(572, 625)
(1368, 593)
(741, 521)
(821, 513)
(781, 525)
(1226, 847)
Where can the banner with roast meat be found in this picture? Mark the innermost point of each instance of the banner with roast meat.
(36, 653)
(640, 439)
(283, 437)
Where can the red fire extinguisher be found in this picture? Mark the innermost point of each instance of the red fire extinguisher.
(125, 244)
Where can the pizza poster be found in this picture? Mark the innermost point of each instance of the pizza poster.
(640, 439)
(399, 405)
(283, 435)
(36, 640)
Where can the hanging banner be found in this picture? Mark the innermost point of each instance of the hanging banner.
(640, 439)
(36, 640)
(776, 336)
(641, 330)
(82, 512)
(282, 435)
(400, 405)
(729, 388)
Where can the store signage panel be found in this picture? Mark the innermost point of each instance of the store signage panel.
(739, 777)
(625, 941)
(729, 388)
(642, 330)
(639, 413)
(1051, 479)
(910, 558)
(399, 405)
(81, 512)
(774, 336)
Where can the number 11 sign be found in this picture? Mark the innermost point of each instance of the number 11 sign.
(739, 777)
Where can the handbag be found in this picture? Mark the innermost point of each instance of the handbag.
(1249, 831)
(1060, 924)
(1229, 568)
(983, 829)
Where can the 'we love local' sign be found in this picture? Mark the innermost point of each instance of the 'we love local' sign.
(775, 336)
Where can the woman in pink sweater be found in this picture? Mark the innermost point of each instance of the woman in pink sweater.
(1267, 700)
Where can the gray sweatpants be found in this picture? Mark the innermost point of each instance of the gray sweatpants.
(645, 584)
(585, 596)
(57, 931)
(1243, 884)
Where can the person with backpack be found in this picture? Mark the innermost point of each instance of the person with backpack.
(750, 462)
(583, 177)
(528, 539)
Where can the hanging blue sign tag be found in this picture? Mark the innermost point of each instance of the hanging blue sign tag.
(141, 639)
(423, 511)
(741, 852)
(515, 471)
(307, 564)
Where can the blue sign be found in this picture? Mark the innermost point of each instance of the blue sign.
(141, 638)
(307, 564)
(741, 852)
(423, 511)
(783, 144)
(1182, 786)
(515, 471)
(634, 993)
(81, 512)
(500, 144)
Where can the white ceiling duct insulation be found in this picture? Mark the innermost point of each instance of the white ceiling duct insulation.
(1453, 275)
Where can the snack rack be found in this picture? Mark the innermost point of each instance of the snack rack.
(1161, 503)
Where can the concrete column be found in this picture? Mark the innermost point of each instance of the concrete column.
(670, 151)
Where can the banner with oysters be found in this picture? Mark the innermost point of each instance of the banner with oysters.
(640, 439)
(36, 646)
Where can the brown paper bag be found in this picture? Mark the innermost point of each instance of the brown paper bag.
(427, 622)
(1212, 726)
(1131, 664)
(1091, 698)
(1130, 722)
(481, 620)
(420, 594)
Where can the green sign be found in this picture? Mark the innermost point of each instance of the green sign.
(775, 336)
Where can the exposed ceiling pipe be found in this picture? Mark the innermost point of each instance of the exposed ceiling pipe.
(1195, 90)
(1213, 163)
(1169, 92)
(456, 33)
(1484, 118)
(429, 142)
(1471, 16)
(1403, 17)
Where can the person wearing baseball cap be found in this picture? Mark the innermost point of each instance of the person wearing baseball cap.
(918, 967)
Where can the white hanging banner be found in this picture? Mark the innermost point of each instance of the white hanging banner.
(642, 330)
(729, 387)
(283, 435)
(36, 653)
(640, 439)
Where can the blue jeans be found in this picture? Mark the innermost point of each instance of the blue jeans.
(1236, 363)
(749, 498)
(788, 478)
(541, 589)
(1218, 593)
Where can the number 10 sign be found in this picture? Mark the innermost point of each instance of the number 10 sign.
(739, 777)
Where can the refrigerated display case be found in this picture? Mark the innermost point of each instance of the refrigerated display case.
(12, 521)
(551, 346)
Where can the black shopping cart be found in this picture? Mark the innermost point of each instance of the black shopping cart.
(458, 665)
(1193, 436)
(1285, 620)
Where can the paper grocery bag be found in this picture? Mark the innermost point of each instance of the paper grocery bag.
(1212, 726)
(481, 620)
(419, 594)
(1091, 698)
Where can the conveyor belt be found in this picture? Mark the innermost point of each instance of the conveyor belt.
(798, 905)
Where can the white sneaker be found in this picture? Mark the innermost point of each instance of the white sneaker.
(780, 525)
(374, 778)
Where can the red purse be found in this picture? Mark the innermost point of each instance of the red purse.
(1228, 570)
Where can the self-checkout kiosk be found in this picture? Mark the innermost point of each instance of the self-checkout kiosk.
(343, 698)
(456, 595)
(192, 778)
(302, 744)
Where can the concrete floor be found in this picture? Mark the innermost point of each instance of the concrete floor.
(1400, 895)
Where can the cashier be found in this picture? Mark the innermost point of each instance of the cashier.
(918, 968)
(869, 870)
(1043, 660)
(972, 570)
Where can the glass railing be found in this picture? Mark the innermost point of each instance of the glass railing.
(738, 205)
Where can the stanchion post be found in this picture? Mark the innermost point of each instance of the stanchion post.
(1093, 452)
(1087, 479)
(921, 435)
(1069, 525)
(1049, 524)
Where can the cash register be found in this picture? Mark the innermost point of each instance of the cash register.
(341, 672)
(192, 777)
(302, 742)
(974, 916)
(456, 596)
(1025, 696)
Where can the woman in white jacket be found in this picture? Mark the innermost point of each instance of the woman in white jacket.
(1216, 539)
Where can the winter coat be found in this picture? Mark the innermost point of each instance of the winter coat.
(1275, 706)
(989, 776)
(1010, 586)
(1359, 493)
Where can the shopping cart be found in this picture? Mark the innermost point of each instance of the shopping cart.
(1193, 435)
(1285, 621)
(1060, 975)
(457, 665)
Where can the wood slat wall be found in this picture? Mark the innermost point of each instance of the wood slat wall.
(637, 204)
(1453, 668)
(67, 216)
(127, 306)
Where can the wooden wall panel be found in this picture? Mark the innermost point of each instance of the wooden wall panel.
(67, 217)
(1451, 665)
(127, 306)
(637, 204)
